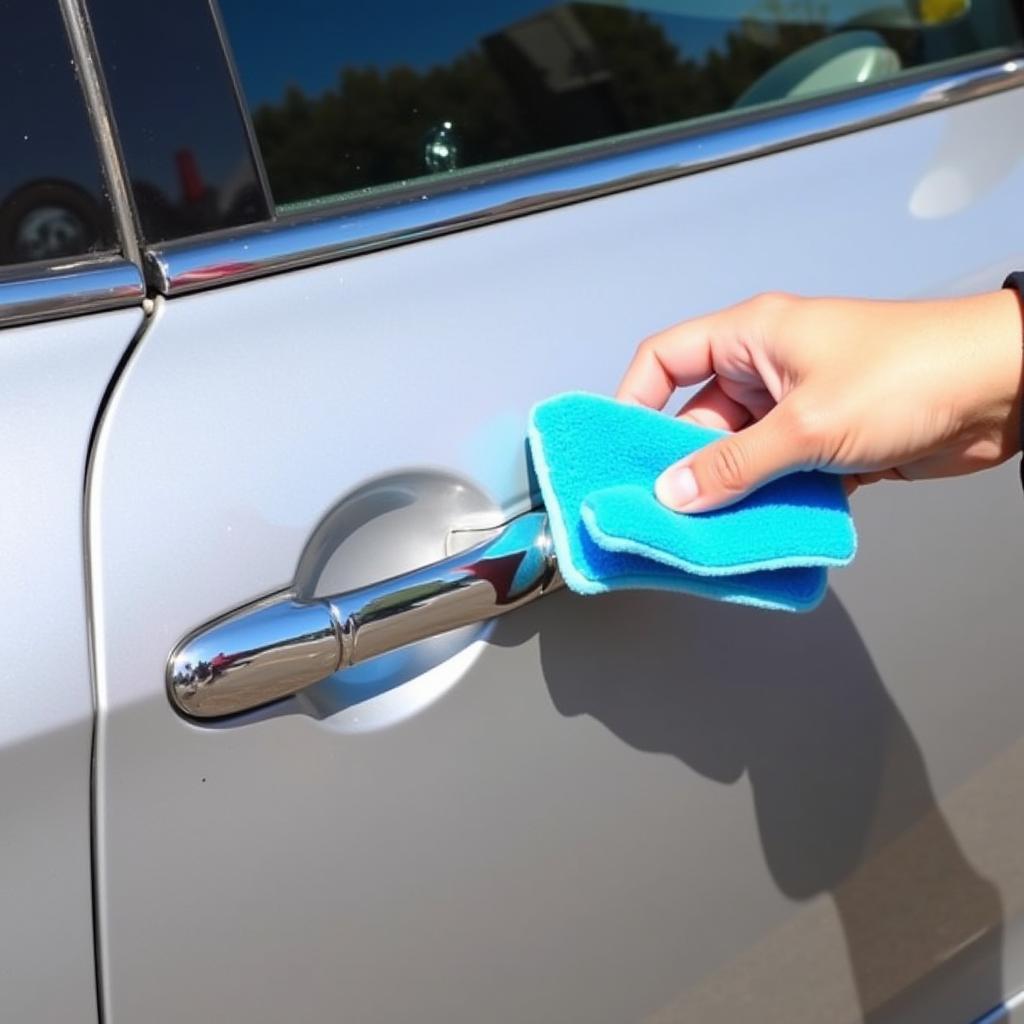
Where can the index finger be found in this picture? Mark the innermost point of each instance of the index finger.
(670, 359)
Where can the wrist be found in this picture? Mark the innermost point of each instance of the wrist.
(980, 361)
(1013, 287)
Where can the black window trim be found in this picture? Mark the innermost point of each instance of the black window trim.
(90, 77)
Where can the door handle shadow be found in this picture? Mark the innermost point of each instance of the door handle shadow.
(843, 801)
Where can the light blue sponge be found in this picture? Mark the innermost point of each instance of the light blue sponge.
(597, 461)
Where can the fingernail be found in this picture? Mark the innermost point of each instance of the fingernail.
(676, 487)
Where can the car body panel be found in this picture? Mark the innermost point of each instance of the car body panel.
(52, 383)
(640, 807)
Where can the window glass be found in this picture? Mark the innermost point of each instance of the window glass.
(349, 97)
(53, 202)
(181, 131)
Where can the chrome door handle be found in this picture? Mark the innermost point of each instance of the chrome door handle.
(276, 647)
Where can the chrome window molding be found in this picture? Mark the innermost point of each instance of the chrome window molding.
(298, 241)
(84, 285)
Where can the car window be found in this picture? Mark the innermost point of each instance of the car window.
(348, 98)
(186, 150)
(53, 201)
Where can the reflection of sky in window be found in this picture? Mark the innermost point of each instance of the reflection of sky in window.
(44, 130)
(305, 42)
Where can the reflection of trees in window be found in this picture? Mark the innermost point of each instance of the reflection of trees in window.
(571, 74)
(371, 129)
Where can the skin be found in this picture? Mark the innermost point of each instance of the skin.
(871, 390)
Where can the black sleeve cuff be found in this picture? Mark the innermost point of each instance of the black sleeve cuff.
(1016, 280)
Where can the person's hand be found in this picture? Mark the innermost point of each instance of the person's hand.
(872, 390)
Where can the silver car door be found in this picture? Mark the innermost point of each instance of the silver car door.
(640, 807)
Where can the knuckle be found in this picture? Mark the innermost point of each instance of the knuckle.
(728, 467)
(806, 423)
(648, 348)
(773, 302)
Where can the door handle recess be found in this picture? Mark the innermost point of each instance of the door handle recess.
(276, 647)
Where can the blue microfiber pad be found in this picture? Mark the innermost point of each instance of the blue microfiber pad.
(597, 461)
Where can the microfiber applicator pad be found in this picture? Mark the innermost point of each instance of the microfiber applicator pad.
(597, 461)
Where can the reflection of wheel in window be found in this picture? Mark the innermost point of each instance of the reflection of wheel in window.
(47, 220)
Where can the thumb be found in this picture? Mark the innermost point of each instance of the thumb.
(729, 469)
